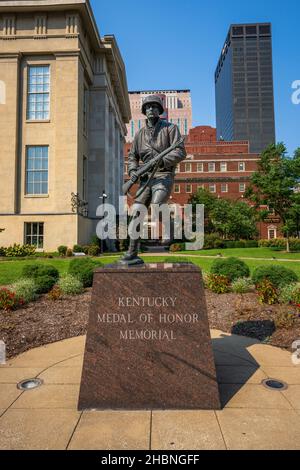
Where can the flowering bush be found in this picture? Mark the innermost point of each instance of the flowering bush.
(267, 292)
(218, 284)
(18, 251)
(25, 289)
(70, 285)
(9, 300)
(242, 285)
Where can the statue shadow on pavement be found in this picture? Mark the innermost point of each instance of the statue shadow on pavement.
(234, 364)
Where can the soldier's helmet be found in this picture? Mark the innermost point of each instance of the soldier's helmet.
(153, 99)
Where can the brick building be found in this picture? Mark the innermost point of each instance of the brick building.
(177, 105)
(222, 168)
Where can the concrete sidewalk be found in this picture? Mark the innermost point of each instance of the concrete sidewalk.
(252, 416)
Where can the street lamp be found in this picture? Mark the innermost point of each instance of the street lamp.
(103, 197)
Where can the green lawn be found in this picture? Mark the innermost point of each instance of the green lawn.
(11, 271)
(205, 263)
(246, 253)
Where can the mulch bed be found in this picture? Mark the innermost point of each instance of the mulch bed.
(47, 321)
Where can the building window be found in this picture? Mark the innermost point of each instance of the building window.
(36, 170)
(34, 234)
(185, 127)
(177, 188)
(199, 167)
(212, 188)
(38, 104)
(200, 187)
(177, 169)
(223, 167)
(85, 110)
(132, 129)
(224, 188)
(188, 167)
(242, 166)
(242, 187)
(139, 124)
(272, 233)
(188, 188)
(211, 167)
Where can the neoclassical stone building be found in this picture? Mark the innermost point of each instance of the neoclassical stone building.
(64, 107)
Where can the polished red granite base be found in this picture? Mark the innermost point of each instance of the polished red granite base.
(148, 343)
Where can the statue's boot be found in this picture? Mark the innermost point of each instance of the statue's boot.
(131, 258)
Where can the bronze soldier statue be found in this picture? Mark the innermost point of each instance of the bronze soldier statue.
(157, 148)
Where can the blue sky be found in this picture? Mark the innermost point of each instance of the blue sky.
(176, 44)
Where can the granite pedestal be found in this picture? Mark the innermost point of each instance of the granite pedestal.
(148, 342)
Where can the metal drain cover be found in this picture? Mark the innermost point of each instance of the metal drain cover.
(275, 385)
(29, 384)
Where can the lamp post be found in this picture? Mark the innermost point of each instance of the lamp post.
(103, 197)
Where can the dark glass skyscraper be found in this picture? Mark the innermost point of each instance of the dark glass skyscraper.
(244, 86)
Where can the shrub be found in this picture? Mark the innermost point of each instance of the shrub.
(95, 241)
(240, 244)
(30, 270)
(62, 250)
(19, 251)
(251, 244)
(54, 294)
(218, 283)
(267, 292)
(44, 284)
(25, 289)
(94, 250)
(85, 249)
(2, 251)
(9, 300)
(177, 247)
(281, 243)
(279, 276)
(212, 240)
(40, 270)
(242, 285)
(83, 269)
(285, 320)
(77, 249)
(205, 277)
(286, 293)
(232, 268)
(69, 253)
(70, 285)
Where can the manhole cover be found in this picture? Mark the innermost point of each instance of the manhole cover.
(275, 385)
(29, 384)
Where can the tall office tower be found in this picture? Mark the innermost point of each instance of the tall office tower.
(244, 86)
(177, 104)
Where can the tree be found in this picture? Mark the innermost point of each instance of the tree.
(275, 185)
(232, 220)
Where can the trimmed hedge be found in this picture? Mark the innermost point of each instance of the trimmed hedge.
(279, 276)
(44, 284)
(232, 268)
(35, 270)
(280, 243)
(83, 269)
